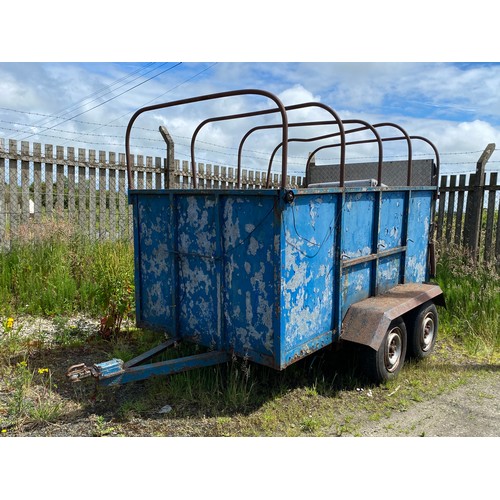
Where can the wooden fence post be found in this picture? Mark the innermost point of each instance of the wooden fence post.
(25, 176)
(474, 211)
(489, 249)
(15, 212)
(38, 201)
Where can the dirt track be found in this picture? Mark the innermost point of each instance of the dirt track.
(472, 410)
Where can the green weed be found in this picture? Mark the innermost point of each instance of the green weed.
(11, 341)
(472, 294)
(102, 428)
(310, 424)
(53, 270)
(31, 397)
(67, 335)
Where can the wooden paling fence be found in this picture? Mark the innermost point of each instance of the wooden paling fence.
(87, 190)
(468, 213)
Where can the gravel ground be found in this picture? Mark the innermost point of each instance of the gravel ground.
(471, 409)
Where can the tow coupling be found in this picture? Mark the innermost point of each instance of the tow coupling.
(99, 371)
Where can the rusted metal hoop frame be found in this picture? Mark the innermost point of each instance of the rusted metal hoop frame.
(285, 125)
(367, 126)
(410, 138)
(270, 111)
(280, 108)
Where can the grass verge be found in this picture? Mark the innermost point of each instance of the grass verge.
(52, 270)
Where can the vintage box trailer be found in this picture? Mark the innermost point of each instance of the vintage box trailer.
(275, 274)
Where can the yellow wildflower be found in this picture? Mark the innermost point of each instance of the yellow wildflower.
(43, 370)
(10, 323)
(4, 431)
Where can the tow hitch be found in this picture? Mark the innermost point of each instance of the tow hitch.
(115, 371)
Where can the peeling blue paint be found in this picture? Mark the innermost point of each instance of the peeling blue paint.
(391, 219)
(245, 272)
(416, 270)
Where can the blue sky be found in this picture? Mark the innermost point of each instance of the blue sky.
(85, 104)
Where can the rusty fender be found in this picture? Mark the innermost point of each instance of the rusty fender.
(367, 321)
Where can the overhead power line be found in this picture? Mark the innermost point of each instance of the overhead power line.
(105, 102)
(99, 125)
(157, 97)
(200, 141)
(107, 89)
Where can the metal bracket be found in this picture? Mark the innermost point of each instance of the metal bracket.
(289, 196)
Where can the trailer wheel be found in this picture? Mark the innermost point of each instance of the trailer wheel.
(386, 363)
(422, 333)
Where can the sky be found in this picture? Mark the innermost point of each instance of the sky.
(456, 105)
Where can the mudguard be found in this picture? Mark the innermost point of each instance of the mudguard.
(367, 321)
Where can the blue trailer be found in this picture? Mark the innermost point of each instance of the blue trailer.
(275, 274)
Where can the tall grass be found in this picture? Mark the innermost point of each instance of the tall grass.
(51, 269)
(472, 294)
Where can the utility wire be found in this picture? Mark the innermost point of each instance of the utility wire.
(156, 98)
(255, 153)
(100, 125)
(81, 102)
(97, 125)
(79, 134)
(105, 102)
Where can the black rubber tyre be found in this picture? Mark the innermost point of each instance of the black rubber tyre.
(422, 331)
(386, 363)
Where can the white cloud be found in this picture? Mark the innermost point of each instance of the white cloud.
(455, 106)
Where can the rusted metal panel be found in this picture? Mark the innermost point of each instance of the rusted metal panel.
(270, 274)
(154, 261)
(358, 224)
(391, 236)
(208, 268)
(394, 173)
(197, 269)
(366, 322)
